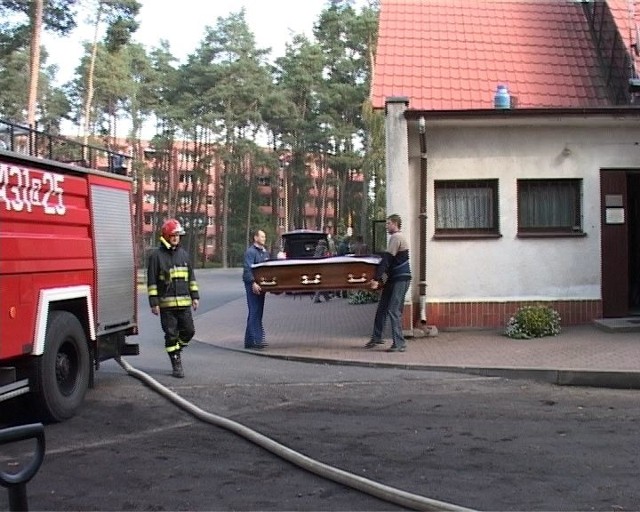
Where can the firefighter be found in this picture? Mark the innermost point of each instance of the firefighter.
(173, 291)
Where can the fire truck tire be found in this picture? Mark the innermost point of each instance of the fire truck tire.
(63, 370)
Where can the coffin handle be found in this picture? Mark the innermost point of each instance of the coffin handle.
(264, 282)
(305, 279)
(356, 280)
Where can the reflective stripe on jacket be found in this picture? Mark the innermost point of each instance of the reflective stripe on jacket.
(171, 281)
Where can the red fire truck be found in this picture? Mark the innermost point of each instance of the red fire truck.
(67, 268)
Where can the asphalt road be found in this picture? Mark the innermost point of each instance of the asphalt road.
(481, 443)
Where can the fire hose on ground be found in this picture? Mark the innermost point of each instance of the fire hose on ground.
(371, 487)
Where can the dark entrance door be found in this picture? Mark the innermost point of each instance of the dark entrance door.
(633, 196)
(620, 221)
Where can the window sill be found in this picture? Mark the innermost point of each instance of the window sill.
(466, 236)
(580, 234)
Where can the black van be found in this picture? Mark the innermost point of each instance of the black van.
(301, 243)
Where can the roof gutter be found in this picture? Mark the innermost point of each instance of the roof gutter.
(520, 113)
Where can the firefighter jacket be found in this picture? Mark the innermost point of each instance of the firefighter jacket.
(171, 282)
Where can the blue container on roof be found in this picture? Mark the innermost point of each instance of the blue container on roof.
(502, 99)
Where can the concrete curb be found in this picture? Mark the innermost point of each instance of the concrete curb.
(579, 378)
(335, 332)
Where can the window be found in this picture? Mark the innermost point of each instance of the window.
(264, 201)
(549, 207)
(186, 156)
(466, 207)
(184, 200)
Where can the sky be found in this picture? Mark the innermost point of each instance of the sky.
(183, 22)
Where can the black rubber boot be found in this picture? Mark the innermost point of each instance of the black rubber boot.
(176, 364)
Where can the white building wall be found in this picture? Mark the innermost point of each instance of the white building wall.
(511, 268)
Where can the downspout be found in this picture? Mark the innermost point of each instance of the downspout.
(422, 282)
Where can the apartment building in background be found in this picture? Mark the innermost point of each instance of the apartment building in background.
(168, 186)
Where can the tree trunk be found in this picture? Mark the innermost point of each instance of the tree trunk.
(34, 72)
(138, 224)
(249, 202)
(90, 74)
(323, 193)
(225, 213)
(275, 201)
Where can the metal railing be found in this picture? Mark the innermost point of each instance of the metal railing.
(33, 142)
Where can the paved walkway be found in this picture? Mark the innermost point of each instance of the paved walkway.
(336, 331)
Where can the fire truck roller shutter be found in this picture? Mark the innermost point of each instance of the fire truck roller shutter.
(115, 259)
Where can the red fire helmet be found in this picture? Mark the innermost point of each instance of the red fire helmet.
(171, 227)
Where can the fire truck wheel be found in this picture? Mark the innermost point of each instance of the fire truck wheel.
(64, 368)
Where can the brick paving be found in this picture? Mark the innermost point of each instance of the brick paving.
(336, 331)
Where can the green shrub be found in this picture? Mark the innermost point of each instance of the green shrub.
(363, 297)
(533, 322)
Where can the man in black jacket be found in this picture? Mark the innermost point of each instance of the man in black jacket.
(173, 291)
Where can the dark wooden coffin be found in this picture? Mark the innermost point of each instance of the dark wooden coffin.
(316, 274)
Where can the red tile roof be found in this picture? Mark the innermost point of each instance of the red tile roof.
(451, 54)
(627, 16)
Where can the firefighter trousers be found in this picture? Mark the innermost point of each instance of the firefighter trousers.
(177, 324)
